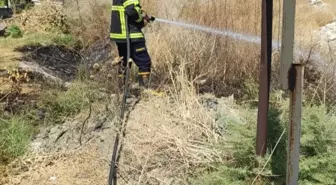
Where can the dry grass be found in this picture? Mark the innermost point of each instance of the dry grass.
(169, 137)
(89, 19)
(221, 61)
(68, 168)
(46, 18)
(245, 16)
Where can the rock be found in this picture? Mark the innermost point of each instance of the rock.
(316, 2)
(53, 178)
(37, 145)
(67, 84)
(60, 135)
(100, 122)
(2, 29)
(332, 36)
(327, 38)
(96, 66)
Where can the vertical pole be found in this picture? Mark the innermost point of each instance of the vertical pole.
(287, 43)
(265, 75)
(295, 86)
(291, 78)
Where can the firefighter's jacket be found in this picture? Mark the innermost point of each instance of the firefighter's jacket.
(131, 8)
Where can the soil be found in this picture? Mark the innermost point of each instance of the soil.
(156, 148)
(57, 157)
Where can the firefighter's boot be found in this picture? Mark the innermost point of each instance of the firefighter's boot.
(144, 81)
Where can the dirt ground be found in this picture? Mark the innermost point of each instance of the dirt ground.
(83, 165)
(159, 148)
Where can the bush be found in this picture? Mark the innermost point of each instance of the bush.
(47, 17)
(317, 161)
(13, 31)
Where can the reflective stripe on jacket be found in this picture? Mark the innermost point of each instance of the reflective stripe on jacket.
(132, 9)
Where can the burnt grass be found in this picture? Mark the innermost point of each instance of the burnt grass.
(58, 60)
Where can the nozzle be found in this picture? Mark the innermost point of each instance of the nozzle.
(152, 18)
(148, 17)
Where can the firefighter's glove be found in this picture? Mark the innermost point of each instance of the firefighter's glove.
(145, 19)
(145, 22)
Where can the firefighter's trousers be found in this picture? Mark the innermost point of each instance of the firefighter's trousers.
(139, 54)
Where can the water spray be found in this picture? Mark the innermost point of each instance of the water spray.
(276, 45)
(228, 33)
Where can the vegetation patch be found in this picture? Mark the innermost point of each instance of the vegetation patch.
(185, 139)
(15, 135)
(13, 31)
(243, 167)
(58, 104)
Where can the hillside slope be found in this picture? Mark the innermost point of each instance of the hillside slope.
(63, 133)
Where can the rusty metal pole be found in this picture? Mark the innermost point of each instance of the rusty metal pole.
(265, 75)
(291, 78)
(295, 85)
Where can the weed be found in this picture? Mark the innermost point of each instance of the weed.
(65, 40)
(13, 31)
(58, 104)
(15, 134)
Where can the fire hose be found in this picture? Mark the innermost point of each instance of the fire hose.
(117, 148)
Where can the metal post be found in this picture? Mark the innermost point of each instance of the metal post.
(287, 43)
(265, 75)
(295, 83)
(291, 78)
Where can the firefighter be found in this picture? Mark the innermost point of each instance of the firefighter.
(137, 19)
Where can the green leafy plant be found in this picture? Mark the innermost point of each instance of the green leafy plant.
(13, 31)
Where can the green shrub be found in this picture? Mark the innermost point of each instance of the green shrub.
(318, 147)
(318, 170)
(65, 40)
(238, 131)
(222, 176)
(13, 31)
(251, 89)
(15, 134)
